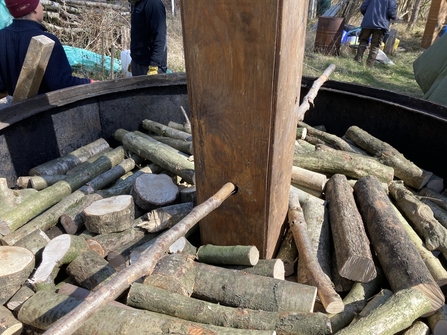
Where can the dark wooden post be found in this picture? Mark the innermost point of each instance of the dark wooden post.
(244, 64)
(435, 19)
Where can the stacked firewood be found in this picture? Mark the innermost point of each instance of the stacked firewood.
(363, 254)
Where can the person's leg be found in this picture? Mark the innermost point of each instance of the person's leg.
(363, 43)
(376, 40)
(138, 69)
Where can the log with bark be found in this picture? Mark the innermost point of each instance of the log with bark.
(388, 318)
(352, 249)
(264, 267)
(35, 242)
(438, 198)
(378, 299)
(328, 297)
(16, 264)
(164, 217)
(182, 145)
(288, 253)
(417, 328)
(9, 325)
(20, 297)
(163, 130)
(438, 321)
(398, 256)
(161, 301)
(330, 161)
(228, 255)
(46, 308)
(404, 169)
(73, 218)
(310, 179)
(39, 182)
(154, 190)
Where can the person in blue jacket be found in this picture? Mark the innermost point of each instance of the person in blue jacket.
(377, 15)
(148, 37)
(14, 41)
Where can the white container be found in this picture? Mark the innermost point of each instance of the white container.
(125, 63)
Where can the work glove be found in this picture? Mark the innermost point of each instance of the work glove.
(152, 70)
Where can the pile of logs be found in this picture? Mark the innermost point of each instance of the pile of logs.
(103, 241)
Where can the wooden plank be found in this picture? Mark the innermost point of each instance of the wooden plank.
(33, 69)
(244, 66)
(436, 17)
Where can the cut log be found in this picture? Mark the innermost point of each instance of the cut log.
(273, 268)
(9, 324)
(328, 297)
(179, 126)
(90, 270)
(85, 165)
(35, 242)
(164, 217)
(160, 154)
(182, 246)
(355, 301)
(42, 182)
(73, 218)
(61, 250)
(439, 213)
(421, 216)
(379, 299)
(388, 318)
(163, 130)
(288, 253)
(154, 190)
(330, 139)
(33, 69)
(46, 309)
(438, 321)
(110, 215)
(432, 263)
(341, 284)
(20, 297)
(389, 237)
(417, 328)
(46, 198)
(330, 161)
(352, 250)
(438, 198)
(313, 180)
(70, 322)
(60, 166)
(182, 145)
(16, 264)
(228, 255)
(405, 170)
(161, 301)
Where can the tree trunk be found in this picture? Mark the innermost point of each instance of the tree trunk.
(405, 170)
(61, 165)
(46, 198)
(328, 297)
(9, 324)
(16, 264)
(154, 190)
(90, 270)
(164, 217)
(70, 322)
(161, 301)
(228, 255)
(46, 309)
(330, 161)
(352, 250)
(160, 154)
(388, 318)
(110, 215)
(60, 250)
(388, 237)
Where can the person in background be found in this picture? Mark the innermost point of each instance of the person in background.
(377, 15)
(148, 37)
(14, 41)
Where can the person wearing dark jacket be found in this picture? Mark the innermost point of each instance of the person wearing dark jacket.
(14, 41)
(377, 15)
(148, 37)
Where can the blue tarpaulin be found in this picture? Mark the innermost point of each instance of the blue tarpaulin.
(89, 60)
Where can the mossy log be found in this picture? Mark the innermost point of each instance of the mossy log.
(330, 299)
(404, 169)
(20, 297)
(182, 145)
(42, 200)
(73, 218)
(160, 154)
(9, 324)
(228, 254)
(417, 328)
(438, 321)
(154, 190)
(352, 249)
(85, 165)
(398, 256)
(389, 318)
(330, 161)
(16, 264)
(161, 301)
(60, 166)
(35, 242)
(91, 271)
(183, 246)
(307, 178)
(164, 217)
(163, 130)
(379, 299)
(59, 251)
(46, 308)
(110, 215)
(421, 217)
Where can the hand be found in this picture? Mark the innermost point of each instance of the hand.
(152, 70)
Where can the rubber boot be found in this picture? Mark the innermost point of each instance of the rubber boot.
(372, 56)
(360, 51)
